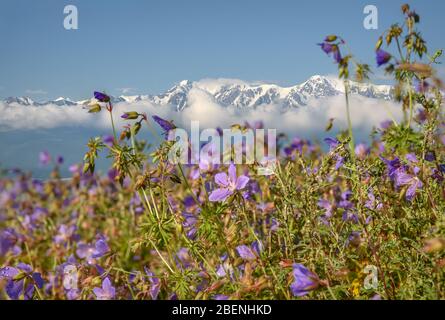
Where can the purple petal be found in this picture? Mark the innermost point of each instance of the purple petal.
(102, 97)
(245, 252)
(382, 57)
(37, 277)
(101, 248)
(166, 125)
(99, 293)
(44, 158)
(411, 157)
(222, 179)
(24, 267)
(232, 172)
(14, 289)
(107, 287)
(8, 272)
(220, 194)
(241, 182)
(403, 178)
(411, 192)
(326, 47)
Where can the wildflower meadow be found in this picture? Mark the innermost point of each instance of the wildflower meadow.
(329, 219)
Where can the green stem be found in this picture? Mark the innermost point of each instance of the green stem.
(188, 185)
(160, 255)
(410, 105)
(348, 113)
(112, 124)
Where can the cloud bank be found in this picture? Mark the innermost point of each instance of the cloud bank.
(202, 107)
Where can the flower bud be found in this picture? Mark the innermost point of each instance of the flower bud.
(95, 108)
(102, 97)
(330, 38)
(131, 115)
(379, 43)
(405, 8)
(136, 128)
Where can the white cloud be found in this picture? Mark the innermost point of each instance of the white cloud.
(303, 121)
(36, 92)
(43, 117)
(126, 90)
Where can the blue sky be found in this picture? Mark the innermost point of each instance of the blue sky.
(151, 45)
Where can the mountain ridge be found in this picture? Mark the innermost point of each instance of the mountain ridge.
(236, 93)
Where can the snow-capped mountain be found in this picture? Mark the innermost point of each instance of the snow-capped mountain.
(61, 101)
(239, 94)
(25, 101)
(176, 96)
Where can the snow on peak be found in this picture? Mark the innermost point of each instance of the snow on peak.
(241, 94)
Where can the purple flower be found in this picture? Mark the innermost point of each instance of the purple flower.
(166, 125)
(393, 167)
(228, 184)
(72, 294)
(209, 157)
(372, 203)
(220, 297)
(413, 183)
(337, 54)
(109, 140)
(189, 224)
(74, 168)
(8, 241)
(297, 144)
(345, 202)
(85, 251)
(331, 48)
(382, 57)
(182, 259)
(155, 284)
(101, 97)
(101, 248)
(411, 157)
(422, 86)
(246, 252)
(8, 272)
(44, 158)
(354, 238)
(430, 156)
(340, 161)
(225, 268)
(107, 292)
(65, 233)
(325, 204)
(15, 286)
(90, 253)
(326, 47)
(304, 280)
(332, 142)
(386, 124)
(361, 151)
